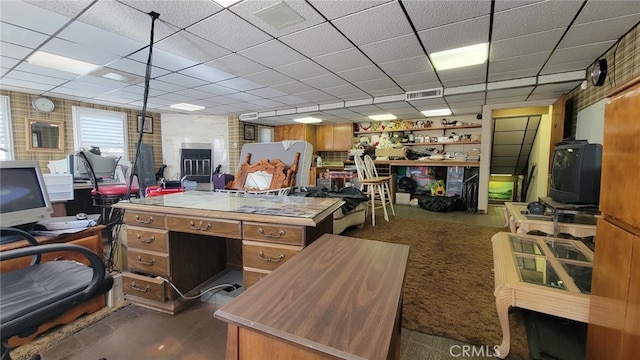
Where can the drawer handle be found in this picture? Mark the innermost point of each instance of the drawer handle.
(148, 263)
(141, 289)
(148, 221)
(146, 241)
(271, 236)
(280, 258)
(199, 228)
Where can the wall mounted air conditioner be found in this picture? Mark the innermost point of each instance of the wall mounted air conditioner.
(423, 94)
(249, 116)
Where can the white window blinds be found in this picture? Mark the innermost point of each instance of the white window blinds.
(6, 139)
(101, 128)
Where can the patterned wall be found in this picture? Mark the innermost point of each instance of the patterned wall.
(623, 61)
(21, 109)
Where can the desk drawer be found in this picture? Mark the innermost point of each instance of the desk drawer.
(143, 286)
(281, 234)
(267, 256)
(252, 276)
(205, 226)
(139, 218)
(147, 239)
(148, 262)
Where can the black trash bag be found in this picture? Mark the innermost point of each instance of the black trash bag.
(350, 195)
(407, 184)
(440, 203)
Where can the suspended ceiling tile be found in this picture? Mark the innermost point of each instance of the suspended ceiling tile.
(232, 32)
(365, 73)
(505, 150)
(423, 86)
(100, 81)
(557, 87)
(269, 78)
(163, 59)
(465, 33)
(182, 80)
(504, 161)
(22, 85)
(267, 103)
(7, 62)
(34, 78)
(510, 4)
(468, 72)
(14, 51)
(91, 36)
(191, 47)
(176, 98)
(401, 47)
(323, 81)
(137, 67)
(32, 17)
(317, 40)
(317, 96)
(289, 100)
(374, 24)
(597, 10)
(463, 81)
(439, 13)
(506, 100)
(78, 52)
(293, 87)
(598, 31)
(533, 18)
(542, 42)
(266, 92)
(572, 54)
(243, 96)
(460, 109)
(20, 36)
(518, 63)
(343, 60)
(236, 65)
(465, 97)
(175, 12)
(516, 74)
(192, 93)
(240, 84)
(329, 9)
(247, 10)
(494, 94)
(405, 66)
(346, 89)
(416, 80)
(272, 54)
(566, 67)
(428, 102)
(303, 70)
(164, 86)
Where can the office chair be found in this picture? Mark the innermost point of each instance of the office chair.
(41, 292)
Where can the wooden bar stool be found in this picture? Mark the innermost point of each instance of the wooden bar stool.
(374, 187)
(371, 169)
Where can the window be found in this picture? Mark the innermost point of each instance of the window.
(101, 128)
(265, 134)
(6, 140)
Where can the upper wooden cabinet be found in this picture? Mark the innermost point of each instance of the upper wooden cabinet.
(295, 132)
(334, 137)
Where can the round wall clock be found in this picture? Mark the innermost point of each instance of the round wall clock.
(43, 104)
(599, 72)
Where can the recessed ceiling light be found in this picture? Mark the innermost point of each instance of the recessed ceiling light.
(436, 112)
(383, 117)
(114, 76)
(460, 57)
(187, 107)
(61, 63)
(279, 15)
(308, 120)
(225, 3)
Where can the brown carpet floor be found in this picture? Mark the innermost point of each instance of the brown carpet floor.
(449, 285)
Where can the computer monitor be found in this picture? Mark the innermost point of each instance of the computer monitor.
(84, 162)
(23, 194)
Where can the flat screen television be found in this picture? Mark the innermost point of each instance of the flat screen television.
(23, 194)
(575, 172)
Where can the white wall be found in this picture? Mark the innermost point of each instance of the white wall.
(180, 128)
(590, 124)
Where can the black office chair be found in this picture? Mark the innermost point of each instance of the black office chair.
(42, 292)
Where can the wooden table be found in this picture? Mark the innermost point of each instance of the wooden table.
(521, 222)
(185, 240)
(341, 297)
(551, 276)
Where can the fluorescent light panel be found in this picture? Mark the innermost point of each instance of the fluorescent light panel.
(460, 57)
(187, 107)
(383, 117)
(61, 63)
(436, 112)
(308, 120)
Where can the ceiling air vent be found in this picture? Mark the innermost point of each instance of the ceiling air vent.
(249, 116)
(423, 94)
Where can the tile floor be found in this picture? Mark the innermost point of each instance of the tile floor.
(135, 332)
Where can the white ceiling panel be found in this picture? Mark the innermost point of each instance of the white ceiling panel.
(229, 31)
(379, 23)
(317, 40)
(343, 52)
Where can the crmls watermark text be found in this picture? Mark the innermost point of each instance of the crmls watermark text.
(464, 351)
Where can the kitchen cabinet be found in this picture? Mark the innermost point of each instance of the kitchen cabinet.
(614, 332)
(334, 137)
(295, 132)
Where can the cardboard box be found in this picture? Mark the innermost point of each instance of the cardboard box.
(403, 198)
(391, 152)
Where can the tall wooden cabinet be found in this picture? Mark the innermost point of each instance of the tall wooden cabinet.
(295, 132)
(614, 313)
(334, 137)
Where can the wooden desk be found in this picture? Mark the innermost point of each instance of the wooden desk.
(523, 223)
(341, 298)
(170, 240)
(551, 276)
(90, 238)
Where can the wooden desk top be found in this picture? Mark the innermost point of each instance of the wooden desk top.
(340, 295)
(294, 210)
(90, 231)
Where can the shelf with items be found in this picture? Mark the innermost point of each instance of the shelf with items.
(448, 127)
(443, 143)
